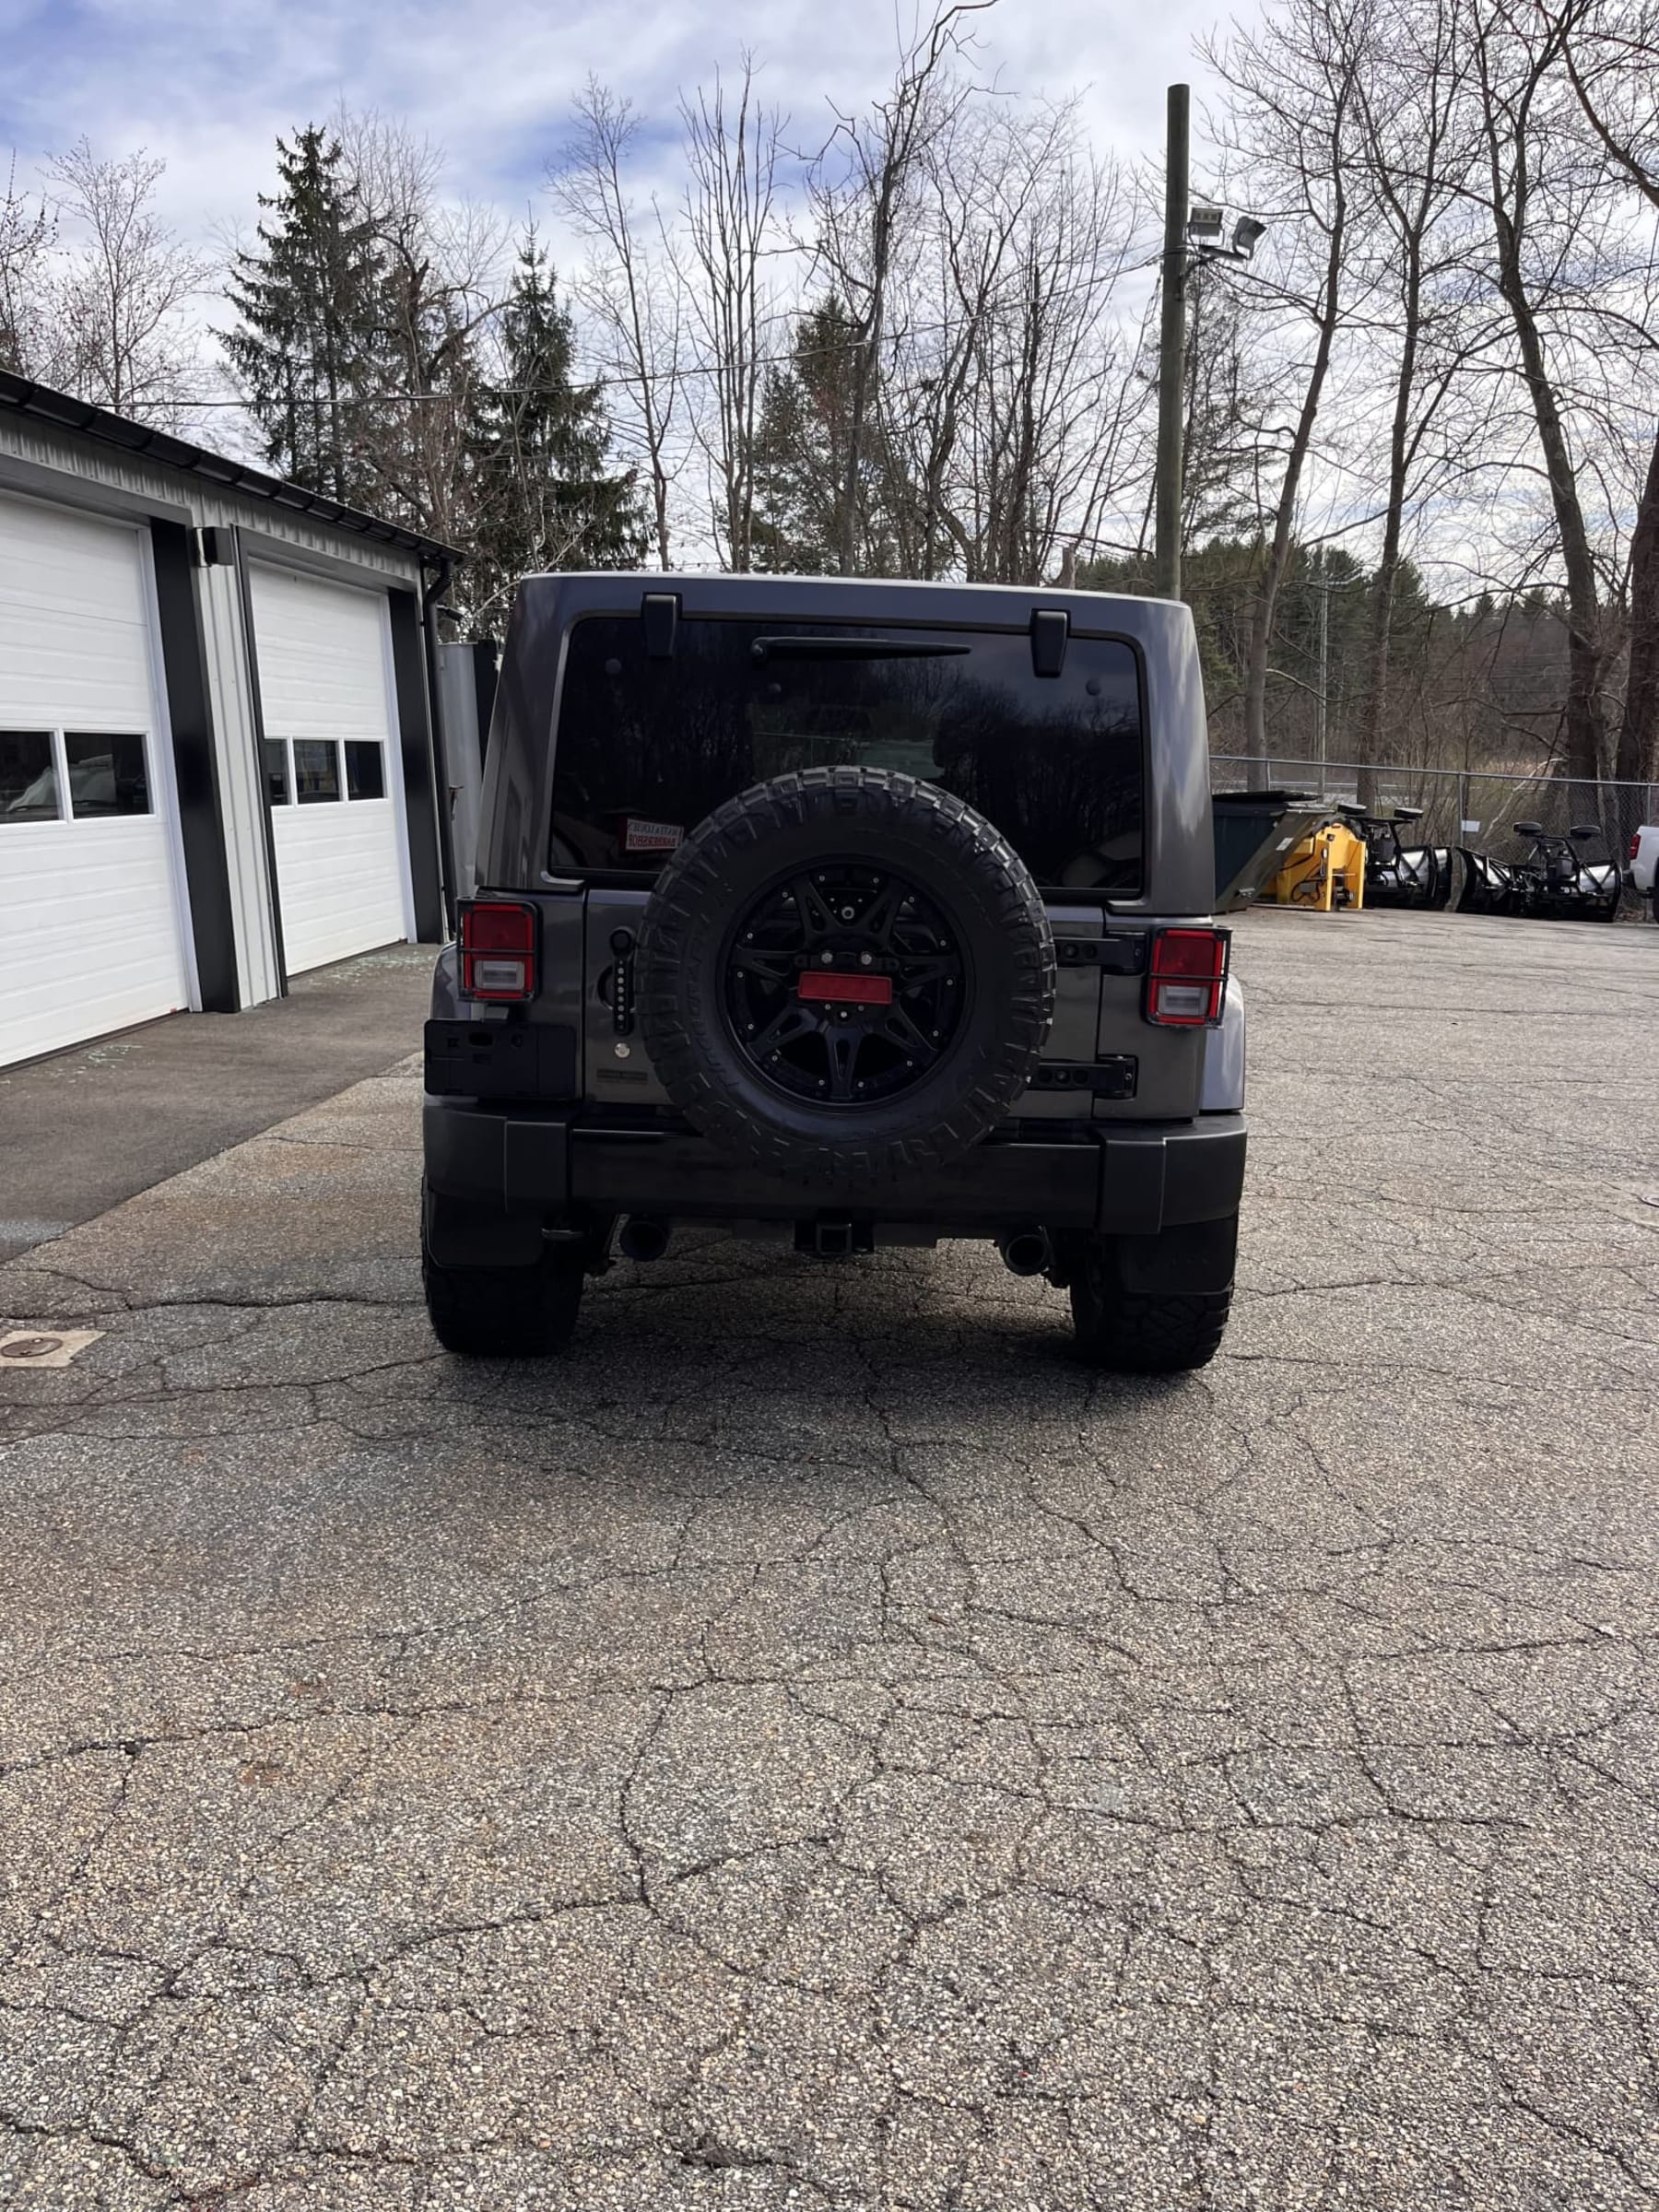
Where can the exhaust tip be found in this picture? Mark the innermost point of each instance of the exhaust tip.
(643, 1238)
(1025, 1250)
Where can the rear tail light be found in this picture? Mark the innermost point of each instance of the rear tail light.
(1635, 843)
(1186, 977)
(498, 950)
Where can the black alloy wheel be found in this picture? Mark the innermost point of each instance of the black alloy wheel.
(844, 984)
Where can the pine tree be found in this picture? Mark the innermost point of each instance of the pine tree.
(801, 449)
(538, 446)
(304, 352)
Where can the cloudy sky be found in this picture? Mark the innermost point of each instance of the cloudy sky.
(208, 86)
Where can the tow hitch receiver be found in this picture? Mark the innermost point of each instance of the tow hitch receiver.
(835, 1240)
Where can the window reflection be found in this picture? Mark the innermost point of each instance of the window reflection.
(277, 770)
(365, 769)
(107, 774)
(27, 777)
(317, 769)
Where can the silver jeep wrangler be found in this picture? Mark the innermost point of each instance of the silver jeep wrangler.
(851, 913)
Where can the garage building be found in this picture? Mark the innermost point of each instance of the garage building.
(218, 760)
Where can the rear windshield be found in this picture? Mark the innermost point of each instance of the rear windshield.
(647, 748)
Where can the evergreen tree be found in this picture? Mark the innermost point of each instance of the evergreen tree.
(801, 448)
(537, 447)
(304, 351)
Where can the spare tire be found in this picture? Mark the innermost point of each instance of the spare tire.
(845, 975)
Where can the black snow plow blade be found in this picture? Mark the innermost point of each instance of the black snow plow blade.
(1397, 873)
(1551, 884)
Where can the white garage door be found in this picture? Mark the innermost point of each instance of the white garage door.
(331, 766)
(92, 927)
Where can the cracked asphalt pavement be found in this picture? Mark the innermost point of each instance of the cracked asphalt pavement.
(815, 1745)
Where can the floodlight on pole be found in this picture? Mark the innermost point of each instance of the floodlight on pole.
(1206, 225)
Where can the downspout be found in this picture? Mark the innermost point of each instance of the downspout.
(430, 595)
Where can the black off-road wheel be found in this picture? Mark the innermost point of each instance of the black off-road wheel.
(505, 1312)
(1137, 1331)
(845, 976)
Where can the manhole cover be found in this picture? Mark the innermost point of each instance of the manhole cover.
(39, 1347)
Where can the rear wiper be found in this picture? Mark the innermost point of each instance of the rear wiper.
(848, 649)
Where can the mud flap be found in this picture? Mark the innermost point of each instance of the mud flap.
(1197, 1256)
(463, 1235)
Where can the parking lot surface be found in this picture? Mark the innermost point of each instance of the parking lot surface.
(815, 1745)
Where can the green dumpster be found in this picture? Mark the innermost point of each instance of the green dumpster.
(1254, 830)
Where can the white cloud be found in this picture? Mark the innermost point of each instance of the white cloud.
(209, 87)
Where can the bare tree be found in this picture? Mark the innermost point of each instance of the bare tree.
(1293, 125)
(732, 153)
(631, 289)
(1417, 156)
(1610, 53)
(1039, 243)
(1517, 69)
(124, 282)
(440, 283)
(27, 235)
(859, 192)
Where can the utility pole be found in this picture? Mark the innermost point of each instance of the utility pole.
(1171, 349)
(1322, 585)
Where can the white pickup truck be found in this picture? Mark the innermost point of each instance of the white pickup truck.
(1643, 875)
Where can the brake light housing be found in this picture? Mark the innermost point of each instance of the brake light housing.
(1186, 977)
(499, 950)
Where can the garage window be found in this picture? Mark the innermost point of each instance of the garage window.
(107, 774)
(28, 783)
(316, 770)
(277, 770)
(365, 769)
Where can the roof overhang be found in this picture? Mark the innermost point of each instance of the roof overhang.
(80, 419)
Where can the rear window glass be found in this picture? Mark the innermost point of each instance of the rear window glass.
(646, 749)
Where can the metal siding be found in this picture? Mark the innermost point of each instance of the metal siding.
(90, 935)
(323, 674)
(258, 977)
(27, 440)
(182, 659)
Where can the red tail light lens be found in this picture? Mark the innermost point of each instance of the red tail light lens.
(498, 950)
(1186, 977)
(1635, 843)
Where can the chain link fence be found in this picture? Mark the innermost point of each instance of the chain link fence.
(1458, 808)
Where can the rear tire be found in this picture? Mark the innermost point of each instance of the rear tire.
(1141, 1332)
(505, 1312)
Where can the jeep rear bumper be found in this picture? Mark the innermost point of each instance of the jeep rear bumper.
(541, 1166)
